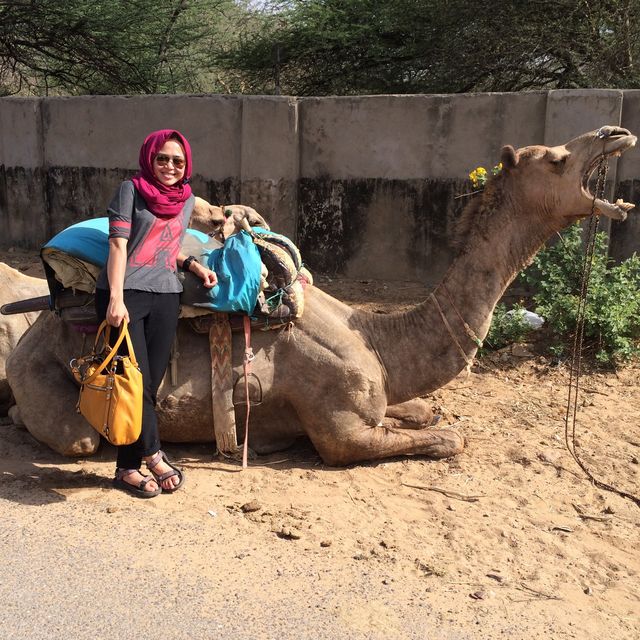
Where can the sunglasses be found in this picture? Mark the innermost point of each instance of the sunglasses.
(163, 160)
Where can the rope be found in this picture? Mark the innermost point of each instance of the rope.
(277, 296)
(450, 330)
(576, 359)
(468, 330)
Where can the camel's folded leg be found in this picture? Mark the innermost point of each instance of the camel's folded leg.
(412, 414)
(353, 443)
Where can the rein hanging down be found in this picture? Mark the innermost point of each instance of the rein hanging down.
(576, 358)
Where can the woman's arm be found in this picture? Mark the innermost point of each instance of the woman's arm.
(116, 267)
(208, 277)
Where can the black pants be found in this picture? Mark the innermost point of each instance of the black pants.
(153, 319)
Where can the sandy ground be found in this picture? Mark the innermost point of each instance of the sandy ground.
(508, 540)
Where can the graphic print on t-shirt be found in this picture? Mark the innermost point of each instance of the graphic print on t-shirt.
(160, 246)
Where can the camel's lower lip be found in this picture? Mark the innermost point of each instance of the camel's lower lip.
(613, 146)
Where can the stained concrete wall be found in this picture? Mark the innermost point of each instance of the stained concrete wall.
(625, 236)
(379, 175)
(368, 186)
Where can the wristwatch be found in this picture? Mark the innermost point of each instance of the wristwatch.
(187, 262)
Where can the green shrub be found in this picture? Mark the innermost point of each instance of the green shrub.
(612, 317)
(506, 328)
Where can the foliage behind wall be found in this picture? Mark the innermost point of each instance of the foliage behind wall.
(316, 47)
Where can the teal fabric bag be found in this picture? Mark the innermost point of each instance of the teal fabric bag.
(238, 265)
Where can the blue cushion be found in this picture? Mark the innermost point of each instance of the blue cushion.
(87, 240)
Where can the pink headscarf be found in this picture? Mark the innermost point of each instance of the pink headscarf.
(161, 199)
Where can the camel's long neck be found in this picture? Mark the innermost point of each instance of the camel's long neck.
(428, 346)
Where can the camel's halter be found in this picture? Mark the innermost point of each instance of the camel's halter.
(468, 330)
(576, 358)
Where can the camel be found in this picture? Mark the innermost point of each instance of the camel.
(350, 380)
(12, 327)
(221, 222)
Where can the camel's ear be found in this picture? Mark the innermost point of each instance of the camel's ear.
(509, 157)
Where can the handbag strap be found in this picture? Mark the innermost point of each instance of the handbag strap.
(124, 334)
(127, 337)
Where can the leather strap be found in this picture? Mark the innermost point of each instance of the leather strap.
(248, 359)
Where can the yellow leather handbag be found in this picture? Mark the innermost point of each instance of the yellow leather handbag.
(110, 388)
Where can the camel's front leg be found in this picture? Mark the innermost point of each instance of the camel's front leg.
(345, 443)
(412, 414)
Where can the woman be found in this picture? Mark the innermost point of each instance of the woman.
(148, 217)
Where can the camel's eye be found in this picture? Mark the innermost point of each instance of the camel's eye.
(558, 163)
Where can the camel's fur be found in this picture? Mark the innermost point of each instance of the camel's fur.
(14, 286)
(336, 376)
(211, 219)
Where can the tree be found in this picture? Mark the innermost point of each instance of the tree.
(409, 46)
(95, 46)
(316, 47)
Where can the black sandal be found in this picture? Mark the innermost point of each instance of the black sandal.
(139, 491)
(161, 477)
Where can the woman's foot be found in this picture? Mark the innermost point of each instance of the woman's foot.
(135, 483)
(168, 476)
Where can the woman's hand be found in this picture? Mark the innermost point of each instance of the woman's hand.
(209, 278)
(117, 312)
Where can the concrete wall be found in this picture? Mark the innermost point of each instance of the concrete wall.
(366, 185)
(625, 236)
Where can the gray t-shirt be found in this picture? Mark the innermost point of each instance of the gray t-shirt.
(153, 242)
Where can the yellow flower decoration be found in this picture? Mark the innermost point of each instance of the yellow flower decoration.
(479, 175)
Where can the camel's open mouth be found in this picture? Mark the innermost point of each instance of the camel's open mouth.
(615, 141)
